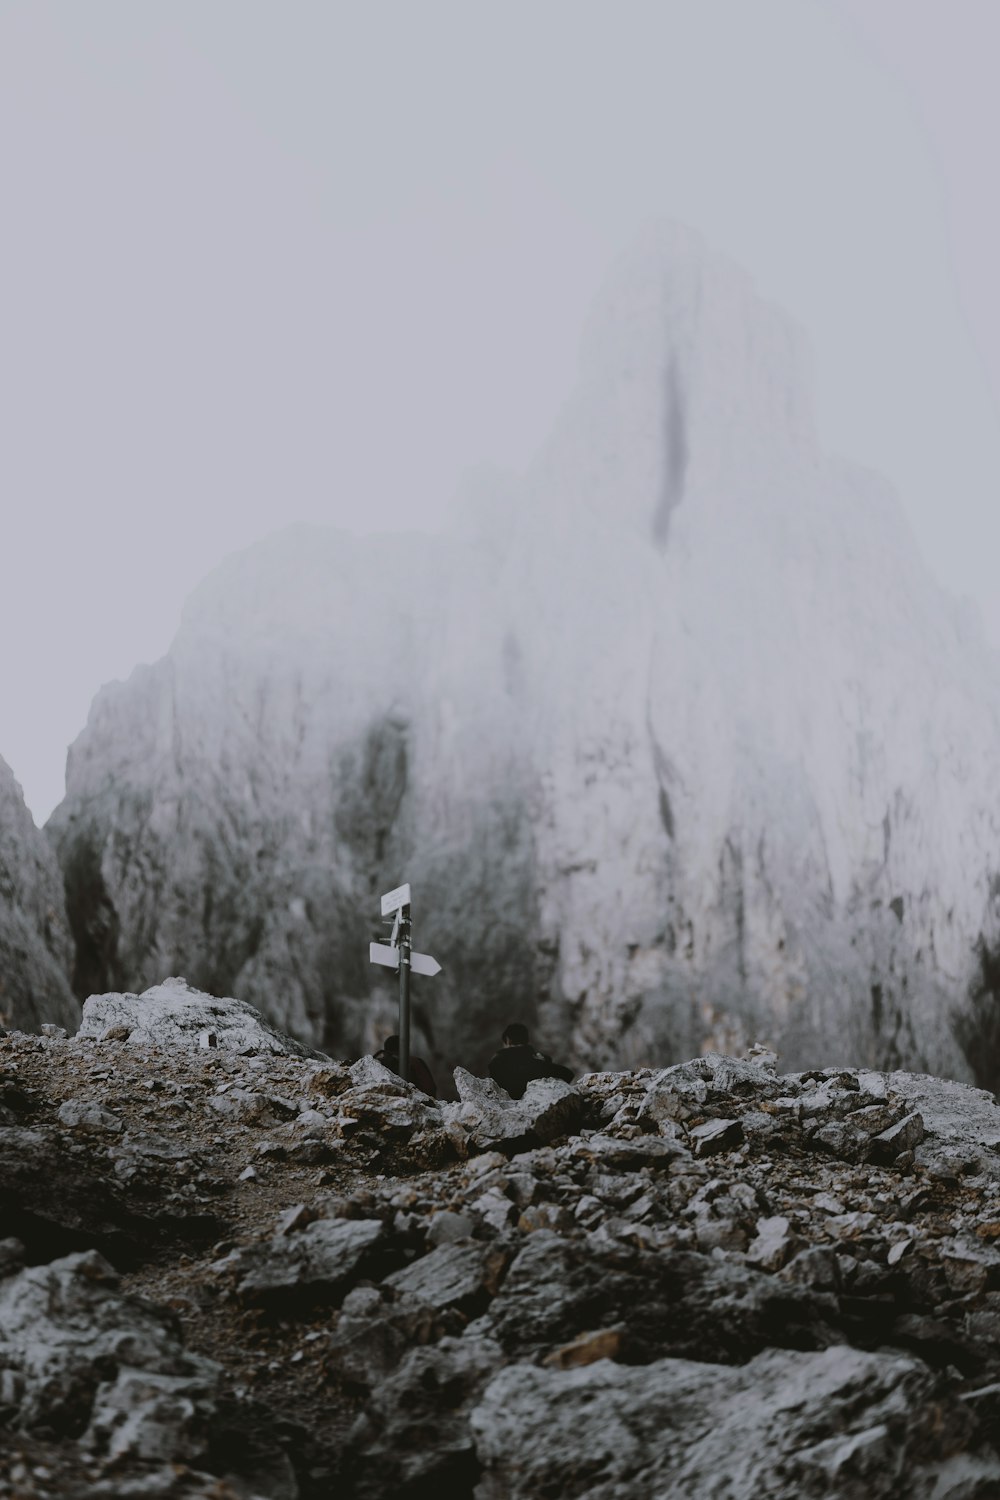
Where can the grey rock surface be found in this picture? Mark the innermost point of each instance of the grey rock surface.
(836, 1423)
(36, 945)
(460, 1276)
(174, 1014)
(616, 728)
(548, 1108)
(318, 1262)
(90, 1363)
(608, 1313)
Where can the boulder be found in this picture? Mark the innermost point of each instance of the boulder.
(173, 1014)
(57, 1200)
(690, 1304)
(837, 1423)
(464, 1277)
(414, 1438)
(92, 1363)
(494, 1121)
(87, 1115)
(316, 1264)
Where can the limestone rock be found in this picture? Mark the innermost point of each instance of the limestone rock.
(774, 1243)
(376, 1329)
(446, 1227)
(903, 1136)
(56, 1200)
(548, 1108)
(836, 1422)
(173, 1014)
(722, 1309)
(64, 1326)
(748, 616)
(415, 1434)
(460, 1276)
(85, 1115)
(316, 1264)
(36, 945)
(557, 1289)
(714, 1136)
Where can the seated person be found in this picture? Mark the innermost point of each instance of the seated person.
(420, 1074)
(517, 1063)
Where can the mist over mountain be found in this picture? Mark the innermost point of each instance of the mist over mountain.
(36, 950)
(675, 737)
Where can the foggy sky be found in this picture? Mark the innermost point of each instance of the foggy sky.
(268, 262)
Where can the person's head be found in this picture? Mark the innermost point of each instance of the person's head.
(515, 1035)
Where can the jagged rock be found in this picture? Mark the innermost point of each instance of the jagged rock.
(36, 946)
(415, 1435)
(173, 1014)
(317, 1263)
(840, 1139)
(774, 1243)
(903, 1136)
(715, 1135)
(549, 1108)
(368, 1070)
(56, 1201)
(838, 1422)
(586, 1349)
(446, 1227)
(675, 1094)
(85, 1115)
(644, 1150)
(349, 1327)
(388, 1105)
(372, 1335)
(247, 1106)
(464, 1277)
(749, 616)
(65, 1326)
(691, 1304)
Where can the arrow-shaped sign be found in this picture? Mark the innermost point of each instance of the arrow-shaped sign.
(397, 954)
(420, 963)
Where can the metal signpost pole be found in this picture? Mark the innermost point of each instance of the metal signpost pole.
(404, 993)
(398, 953)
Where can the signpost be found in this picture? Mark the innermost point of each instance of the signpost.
(398, 954)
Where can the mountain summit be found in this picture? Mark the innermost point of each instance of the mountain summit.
(675, 738)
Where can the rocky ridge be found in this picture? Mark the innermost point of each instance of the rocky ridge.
(36, 946)
(231, 1271)
(674, 735)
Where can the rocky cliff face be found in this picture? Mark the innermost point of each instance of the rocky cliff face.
(675, 739)
(36, 950)
(235, 1271)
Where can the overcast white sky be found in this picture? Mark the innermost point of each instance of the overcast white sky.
(263, 262)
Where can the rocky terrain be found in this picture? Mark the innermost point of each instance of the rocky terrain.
(674, 735)
(232, 1269)
(36, 947)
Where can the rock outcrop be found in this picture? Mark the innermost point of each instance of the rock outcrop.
(675, 738)
(173, 1014)
(715, 1278)
(36, 949)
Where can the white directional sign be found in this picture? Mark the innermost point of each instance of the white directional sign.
(420, 963)
(393, 900)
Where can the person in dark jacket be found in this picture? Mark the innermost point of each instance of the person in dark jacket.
(420, 1073)
(518, 1062)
